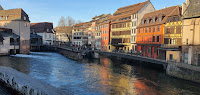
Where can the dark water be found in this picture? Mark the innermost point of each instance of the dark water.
(98, 77)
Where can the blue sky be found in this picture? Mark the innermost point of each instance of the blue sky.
(84, 10)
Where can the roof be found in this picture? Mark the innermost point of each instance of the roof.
(128, 10)
(41, 27)
(7, 33)
(165, 13)
(35, 36)
(192, 9)
(14, 14)
(63, 29)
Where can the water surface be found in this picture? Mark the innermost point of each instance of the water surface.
(98, 77)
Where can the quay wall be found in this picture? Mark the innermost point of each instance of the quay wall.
(184, 71)
(25, 84)
(69, 53)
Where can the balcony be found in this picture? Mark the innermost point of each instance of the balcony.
(170, 46)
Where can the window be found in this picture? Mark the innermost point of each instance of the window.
(139, 30)
(142, 22)
(154, 29)
(12, 41)
(6, 17)
(134, 31)
(1, 17)
(153, 38)
(158, 29)
(158, 38)
(147, 21)
(134, 38)
(24, 18)
(160, 19)
(167, 30)
(146, 30)
(171, 57)
(149, 29)
(154, 20)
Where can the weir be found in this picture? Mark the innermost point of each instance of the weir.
(26, 84)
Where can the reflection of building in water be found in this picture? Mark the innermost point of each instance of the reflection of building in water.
(115, 83)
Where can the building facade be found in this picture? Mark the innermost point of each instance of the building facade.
(105, 33)
(150, 35)
(44, 29)
(171, 49)
(80, 34)
(18, 21)
(63, 34)
(191, 32)
(123, 25)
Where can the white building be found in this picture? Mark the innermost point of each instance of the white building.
(44, 29)
(136, 19)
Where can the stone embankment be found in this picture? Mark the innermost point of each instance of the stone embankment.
(26, 84)
(184, 71)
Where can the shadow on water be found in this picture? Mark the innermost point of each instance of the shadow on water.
(99, 76)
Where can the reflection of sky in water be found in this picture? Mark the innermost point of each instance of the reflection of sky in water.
(104, 76)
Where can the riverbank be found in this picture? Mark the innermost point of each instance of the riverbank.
(179, 70)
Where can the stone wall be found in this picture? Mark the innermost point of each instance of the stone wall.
(26, 84)
(184, 71)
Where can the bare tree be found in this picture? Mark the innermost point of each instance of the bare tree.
(79, 21)
(70, 21)
(62, 22)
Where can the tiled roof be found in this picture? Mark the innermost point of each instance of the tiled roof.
(42, 27)
(128, 10)
(166, 12)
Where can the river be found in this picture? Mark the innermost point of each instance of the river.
(98, 77)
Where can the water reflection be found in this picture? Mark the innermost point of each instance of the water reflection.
(104, 76)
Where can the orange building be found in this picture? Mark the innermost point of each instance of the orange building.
(105, 33)
(151, 30)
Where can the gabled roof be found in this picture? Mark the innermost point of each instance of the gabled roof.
(42, 27)
(193, 9)
(166, 12)
(128, 10)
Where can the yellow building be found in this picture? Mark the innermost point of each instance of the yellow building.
(123, 26)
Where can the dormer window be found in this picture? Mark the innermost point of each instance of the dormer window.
(160, 19)
(142, 22)
(154, 20)
(24, 18)
(147, 21)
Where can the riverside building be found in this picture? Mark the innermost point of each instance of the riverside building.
(14, 31)
(123, 25)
